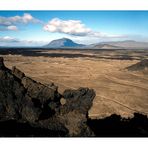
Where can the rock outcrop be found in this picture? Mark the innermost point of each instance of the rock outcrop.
(32, 104)
(140, 66)
(116, 126)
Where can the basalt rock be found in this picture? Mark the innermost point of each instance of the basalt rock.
(74, 111)
(34, 105)
(2, 63)
(17, 73)
(23, 97)
(80, 100)
(116, 126)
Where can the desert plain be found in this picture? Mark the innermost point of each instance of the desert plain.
(118, 90)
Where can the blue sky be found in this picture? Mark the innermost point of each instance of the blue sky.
(33, 28)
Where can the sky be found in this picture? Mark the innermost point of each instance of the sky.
(37, 28)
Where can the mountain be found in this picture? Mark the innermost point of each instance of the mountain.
(105, 46)
(128, 44)
(63, 43)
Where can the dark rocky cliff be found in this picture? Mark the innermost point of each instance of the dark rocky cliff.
(25, 101)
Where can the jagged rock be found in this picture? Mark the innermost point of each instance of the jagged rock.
(17, 73)
(53, 86)
(30, 113)
(76, 123)
(75, 109)
(1, 63)
(20, 95)
(11, 93)
(80, 99)
(25, 100)
(39, 91)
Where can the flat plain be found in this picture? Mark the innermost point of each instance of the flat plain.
(117, 90)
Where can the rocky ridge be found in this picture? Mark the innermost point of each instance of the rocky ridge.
(27, 101)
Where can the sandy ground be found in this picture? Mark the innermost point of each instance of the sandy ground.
(117, 90)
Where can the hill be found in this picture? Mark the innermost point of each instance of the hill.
(106, 46)
(140, 66)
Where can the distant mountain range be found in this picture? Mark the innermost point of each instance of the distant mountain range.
(68, 43)
(128, 44)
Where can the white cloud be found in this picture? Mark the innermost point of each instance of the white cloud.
(9, 23)
(71, 27)
(8, 28)
(4, 21)
(75, 28)
(14, 28)
(26, 18)
(8, 39)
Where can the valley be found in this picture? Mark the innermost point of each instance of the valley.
(118, 90)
